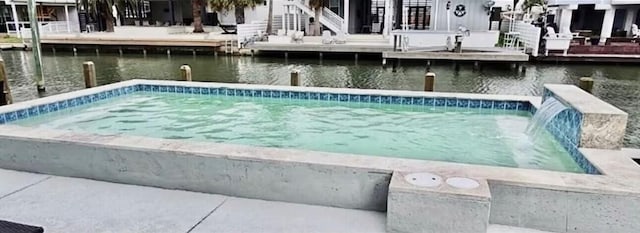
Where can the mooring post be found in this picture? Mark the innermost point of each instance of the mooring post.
(120, 51)
(476, 65)
(586, 83)
(429, 81)
(144, 52)
(185, 73)
(89, 70)
(295, 78)
(384, 63)
(5, 91)
(168, 52)
(75, 51)
(428, 69)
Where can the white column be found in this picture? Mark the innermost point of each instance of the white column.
(284, 15)
(434, 22)
(565, 21)
(387, 19)
(345, 26)
(66, 13)
(15, 19)
(629, 19)
(607, 24)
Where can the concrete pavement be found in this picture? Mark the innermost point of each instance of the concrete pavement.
(61, 204)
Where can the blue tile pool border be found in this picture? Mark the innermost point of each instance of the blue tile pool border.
(564, 136)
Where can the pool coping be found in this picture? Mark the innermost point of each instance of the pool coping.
(620, 175)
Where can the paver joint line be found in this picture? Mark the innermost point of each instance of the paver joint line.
(206, 216)
(25, 187)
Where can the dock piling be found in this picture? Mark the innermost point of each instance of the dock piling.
(144, 52)
(168, 52)
(384, 63)
(120, 51)
(185, 73)
(320, 55)
(97, 52)
(89, 70)
(194, 52)
(476, 65)
(75, 51)
(428, 69)
(5, 91)
(586, 83)
(429, 81)
(295, 78)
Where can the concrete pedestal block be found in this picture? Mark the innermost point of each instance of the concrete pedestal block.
(443, 208)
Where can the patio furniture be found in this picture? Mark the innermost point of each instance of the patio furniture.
(341, 38)
(557, 42)
(326, 37)
(229, 29)
(12, 227)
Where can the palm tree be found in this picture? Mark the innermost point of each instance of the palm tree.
(270, 18)
(318, 6)
(103, 9)
(238, 5)
(528, 4)
(196, 6)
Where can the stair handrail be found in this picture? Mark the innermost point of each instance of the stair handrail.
(332, 16)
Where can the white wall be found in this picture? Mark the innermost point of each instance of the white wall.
(477, 39)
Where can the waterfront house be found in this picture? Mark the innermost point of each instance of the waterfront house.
(53, 15)
(602, 18)
(423, 22)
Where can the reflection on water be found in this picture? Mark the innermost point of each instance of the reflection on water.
(618, 85)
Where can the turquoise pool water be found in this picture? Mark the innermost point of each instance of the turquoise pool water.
(475, 136)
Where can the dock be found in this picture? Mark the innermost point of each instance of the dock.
(475, 54)
(321, 48)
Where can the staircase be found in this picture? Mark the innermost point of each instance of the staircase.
(328, 18)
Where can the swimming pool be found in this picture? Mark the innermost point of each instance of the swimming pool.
(486, 132)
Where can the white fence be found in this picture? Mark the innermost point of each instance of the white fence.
(529, 36)
(51, 27)
(248, 32)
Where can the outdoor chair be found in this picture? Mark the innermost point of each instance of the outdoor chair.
(326, 37)
(298, 36)
(341, 38)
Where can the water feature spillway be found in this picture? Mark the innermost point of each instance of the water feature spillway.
(548, 110)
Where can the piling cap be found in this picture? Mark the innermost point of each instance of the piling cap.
(431, 74)
(185, 67)
(586, 79)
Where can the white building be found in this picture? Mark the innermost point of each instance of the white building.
(58, 15)
(385, 17)
(603, 18)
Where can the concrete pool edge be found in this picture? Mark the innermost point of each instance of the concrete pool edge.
(309, 177)
(349, 181)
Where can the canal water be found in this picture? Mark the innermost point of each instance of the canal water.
(618, 85)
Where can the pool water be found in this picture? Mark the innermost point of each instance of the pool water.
(464, 135)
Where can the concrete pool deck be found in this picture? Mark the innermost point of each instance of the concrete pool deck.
(61, 204)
